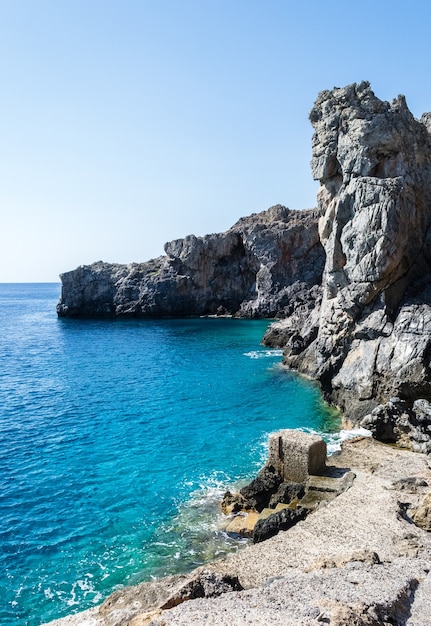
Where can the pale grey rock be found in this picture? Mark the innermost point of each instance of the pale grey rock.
(404, 423)
(420, 612)
(337, 596)
(370, 337)
(376, 207)
(255, 269)
(123, 606)
(422, 514)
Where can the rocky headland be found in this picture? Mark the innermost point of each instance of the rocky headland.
(258, 268)
(350, 283)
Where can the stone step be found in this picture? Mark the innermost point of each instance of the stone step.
(330, 484)
(243, 524)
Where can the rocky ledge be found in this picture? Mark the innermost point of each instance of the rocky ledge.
(293, 483)
(362, 558)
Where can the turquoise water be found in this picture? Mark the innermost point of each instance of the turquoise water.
(118, 439)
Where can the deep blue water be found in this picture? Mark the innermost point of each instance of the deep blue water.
(117, 440)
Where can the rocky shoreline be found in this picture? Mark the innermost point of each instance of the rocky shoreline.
(362, 558)
(350, 283)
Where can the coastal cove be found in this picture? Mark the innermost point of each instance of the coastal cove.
(119, 438)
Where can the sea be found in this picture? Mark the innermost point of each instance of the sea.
(118, 439)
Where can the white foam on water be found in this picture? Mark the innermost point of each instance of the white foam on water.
(196, 533)
(87, 588)
(334, 440)
(264, 354)
(48, 593)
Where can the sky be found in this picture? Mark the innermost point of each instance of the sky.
(125, 124)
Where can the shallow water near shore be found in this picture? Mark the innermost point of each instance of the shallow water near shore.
(118, 439)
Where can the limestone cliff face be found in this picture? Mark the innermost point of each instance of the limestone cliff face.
(370, 336)
(255, 269)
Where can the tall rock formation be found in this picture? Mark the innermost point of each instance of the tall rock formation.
(255, 269)
(370, 337)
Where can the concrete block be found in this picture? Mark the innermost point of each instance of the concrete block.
(296, 455)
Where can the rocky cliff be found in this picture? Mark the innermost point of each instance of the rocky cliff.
(352, 278)
(369, 339)
(256, 269)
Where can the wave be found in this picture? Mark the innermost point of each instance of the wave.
(264, 354)
(334, 440)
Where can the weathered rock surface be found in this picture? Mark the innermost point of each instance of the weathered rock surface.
(359, 560)
(255, 269)
(257, 494)
(369, 338)
(273, 501)
(295, 454)
(404, 423)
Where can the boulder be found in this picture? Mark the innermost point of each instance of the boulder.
(422, 514)
(405, 423)
(156, 596)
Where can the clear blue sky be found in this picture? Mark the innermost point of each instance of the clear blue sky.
(128, 123)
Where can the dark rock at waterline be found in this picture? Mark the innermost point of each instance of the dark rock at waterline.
(280, 520)
(286, 493)
(257, 494)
